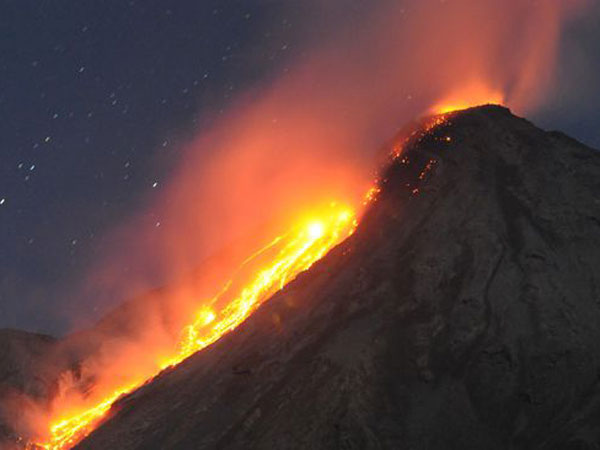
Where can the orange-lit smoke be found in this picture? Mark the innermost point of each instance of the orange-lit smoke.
(308, 136)
(302, 141)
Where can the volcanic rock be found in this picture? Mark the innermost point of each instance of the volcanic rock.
(463, 314)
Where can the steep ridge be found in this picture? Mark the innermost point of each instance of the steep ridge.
(463, 313)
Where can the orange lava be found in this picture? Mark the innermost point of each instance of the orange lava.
(262, 274)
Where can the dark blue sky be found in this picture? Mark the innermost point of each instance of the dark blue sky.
(95, 97)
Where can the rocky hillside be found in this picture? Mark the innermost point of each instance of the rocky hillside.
(464, 313)
(25, 376)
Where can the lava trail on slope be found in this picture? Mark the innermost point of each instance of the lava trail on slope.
(462, 313)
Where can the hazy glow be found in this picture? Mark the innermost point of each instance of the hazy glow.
(270, 268)
(300, 141)
(471, 94)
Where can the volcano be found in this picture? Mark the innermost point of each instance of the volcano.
(461, 314)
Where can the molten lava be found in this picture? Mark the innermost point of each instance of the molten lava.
(310, 127)
(262, 274)
(283, 258)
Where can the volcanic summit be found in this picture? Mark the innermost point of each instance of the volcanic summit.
(461, 314)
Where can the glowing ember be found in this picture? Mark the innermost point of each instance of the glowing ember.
(261, 275)
(372, 193)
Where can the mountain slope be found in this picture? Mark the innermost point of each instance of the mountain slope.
(462, 314)
(26, 376)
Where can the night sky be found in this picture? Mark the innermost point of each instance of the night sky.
(96, 98)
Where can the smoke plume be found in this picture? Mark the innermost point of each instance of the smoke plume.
(308, 138)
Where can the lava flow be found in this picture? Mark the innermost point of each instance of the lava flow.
(261, 275)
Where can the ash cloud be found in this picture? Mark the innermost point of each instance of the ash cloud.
(308, 135)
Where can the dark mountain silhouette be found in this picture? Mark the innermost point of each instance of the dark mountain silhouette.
(26, 377)
(464, 313)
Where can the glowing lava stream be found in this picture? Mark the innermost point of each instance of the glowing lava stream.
(279, 262)
(267, 271)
